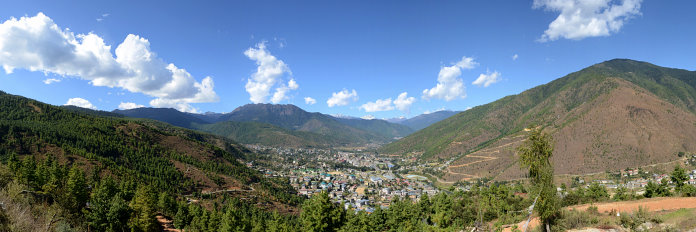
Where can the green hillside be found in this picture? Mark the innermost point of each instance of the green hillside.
(108, 146)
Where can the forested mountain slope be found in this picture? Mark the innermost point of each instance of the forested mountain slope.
(156, 154)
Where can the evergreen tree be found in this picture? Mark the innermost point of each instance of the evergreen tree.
(100, 204)
(145, 208)
(679, 178)
(535, 154)
(181, 218)
(319, 214)
(118, 215)
(356, 222)
(27, 171)
(377, 220)
(622, 194)
(233, 221)
(650, 190)
(167, 204)
(76, 192)
(597, 192)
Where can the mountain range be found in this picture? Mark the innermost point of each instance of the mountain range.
(613, 115)
(288, 125)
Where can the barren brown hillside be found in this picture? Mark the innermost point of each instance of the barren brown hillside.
(626, 127)
(610, 116)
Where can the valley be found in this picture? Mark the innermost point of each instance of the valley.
(613, 139)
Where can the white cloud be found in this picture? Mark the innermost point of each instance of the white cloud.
(51, 81)
(103, 16)
(164, 103)
(403, 102)
(368, 117)
(487, 79)
(269, 73)
(281, 91)
(449, 85)
(580, 19)
(310, 101)
(38, 44)
(342, 98)
(129, 105)
(379, 105)
(80, 102)
(514, 57)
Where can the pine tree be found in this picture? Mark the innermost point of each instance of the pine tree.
(76, 193)
(145, 208)
(535, 154)
(232, 221)
(100, 204)
(320, 214)
(181, 218)
(679, 178)
(167, 204)
(118, 214)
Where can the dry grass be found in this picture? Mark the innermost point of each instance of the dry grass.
(25, 214)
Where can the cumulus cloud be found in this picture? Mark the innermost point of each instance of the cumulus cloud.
(580, 19)
(403, 102)
(342, 98)
(129, 105)
(80, 102)
(449, 85)
(379, 105)
(281, 92)
(51, 81)
(487, 79)
(269, 73)
(310, 101)
(38, 44)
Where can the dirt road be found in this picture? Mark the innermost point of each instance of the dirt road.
(650, 204)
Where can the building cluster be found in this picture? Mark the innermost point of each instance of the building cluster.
(359, 180)
(637, 181)
(359, 190)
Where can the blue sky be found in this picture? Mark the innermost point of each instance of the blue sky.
(229, 53)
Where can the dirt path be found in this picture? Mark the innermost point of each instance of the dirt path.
(650, 204)
(485, 158)
(166, 224)
(488, 151)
